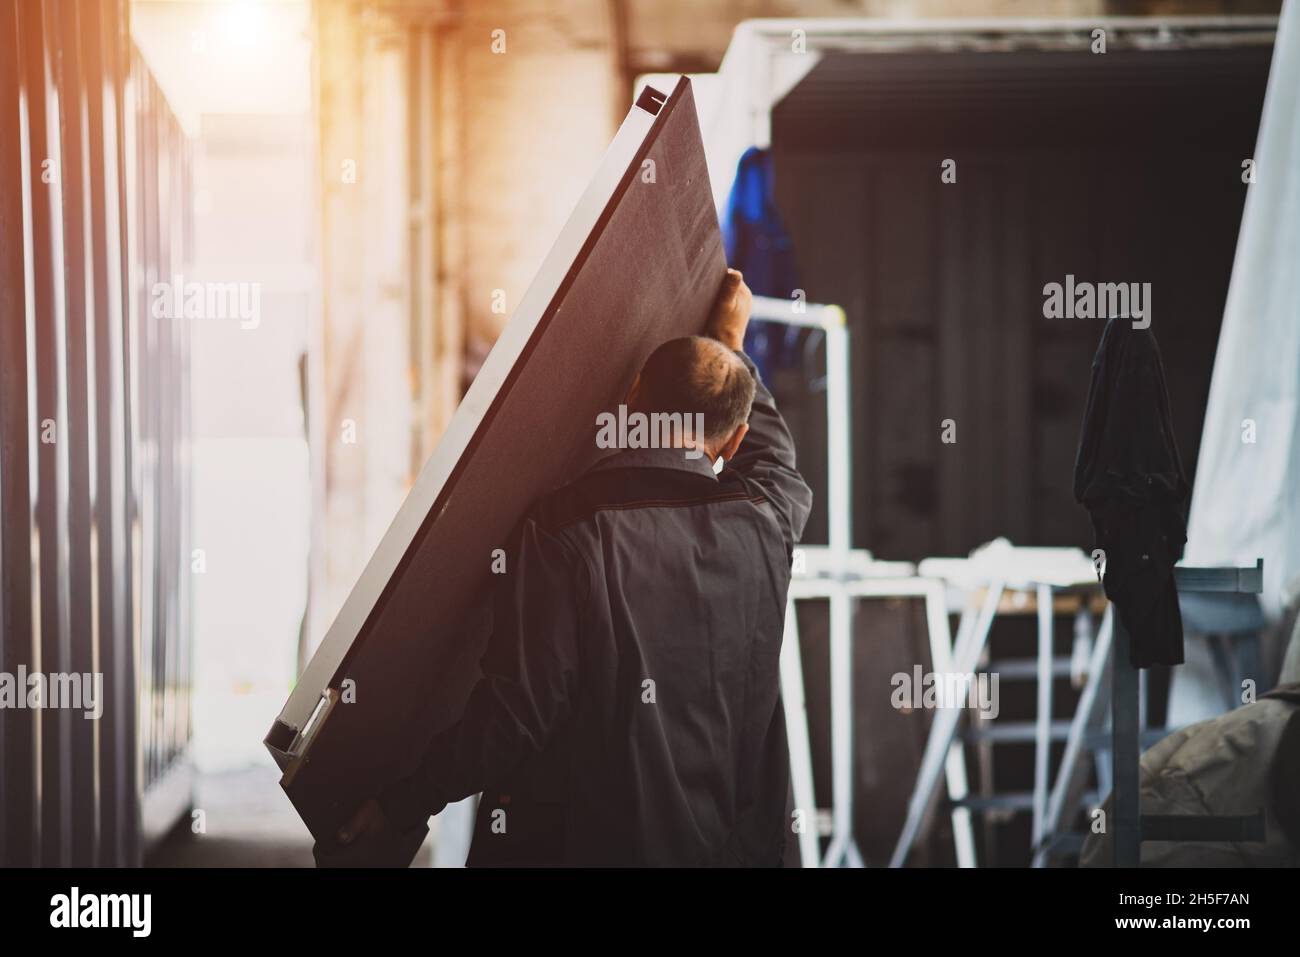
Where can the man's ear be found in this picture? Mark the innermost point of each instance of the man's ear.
(729, 449)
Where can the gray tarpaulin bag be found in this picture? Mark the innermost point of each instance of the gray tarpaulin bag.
(1234, 764)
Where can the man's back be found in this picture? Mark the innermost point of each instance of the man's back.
(674, 748)
(629, 710)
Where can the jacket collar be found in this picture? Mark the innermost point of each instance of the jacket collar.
(656, 459)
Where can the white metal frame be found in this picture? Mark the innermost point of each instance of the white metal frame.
(830, 320)
(839, 574)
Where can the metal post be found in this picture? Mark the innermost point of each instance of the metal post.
(830, 320)
(941, 650)
(796, 728)
(1043, 727)
(843, 848)
(839, 469)
(943, 730)
(1125, 822)
(1069, 784)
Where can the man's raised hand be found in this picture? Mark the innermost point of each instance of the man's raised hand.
(731, 311)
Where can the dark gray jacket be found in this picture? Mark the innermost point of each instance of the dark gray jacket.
(629, 711)
(1130, 479)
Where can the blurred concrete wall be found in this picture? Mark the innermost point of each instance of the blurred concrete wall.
(454, 140)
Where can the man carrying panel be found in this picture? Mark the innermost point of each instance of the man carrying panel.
(629, 711)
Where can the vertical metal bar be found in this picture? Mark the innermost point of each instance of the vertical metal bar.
(838, 438)
(184, 500)
(19, 744)
(1043, 727)
(795, 703)
(1143, 677)
(146, 155)
(46, 303)
(160, 330)
(80, 428)
(174, 399)
(107, 513)
(137, 149)
(176, 504)
(165, 410)
(1066, 788)
(127, 677)
(841, 639)
(941, 650)
(840, 536)
(1125, 823)
(943, 730)
(157, 413)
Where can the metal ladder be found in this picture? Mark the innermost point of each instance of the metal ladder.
(969, 650)
(1042, 731)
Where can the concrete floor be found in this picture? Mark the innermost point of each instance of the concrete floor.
(249, 823)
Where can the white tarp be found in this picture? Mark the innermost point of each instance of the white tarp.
(1246, 501)
(762, 64)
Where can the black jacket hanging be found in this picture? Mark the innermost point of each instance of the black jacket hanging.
(1130, 479)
